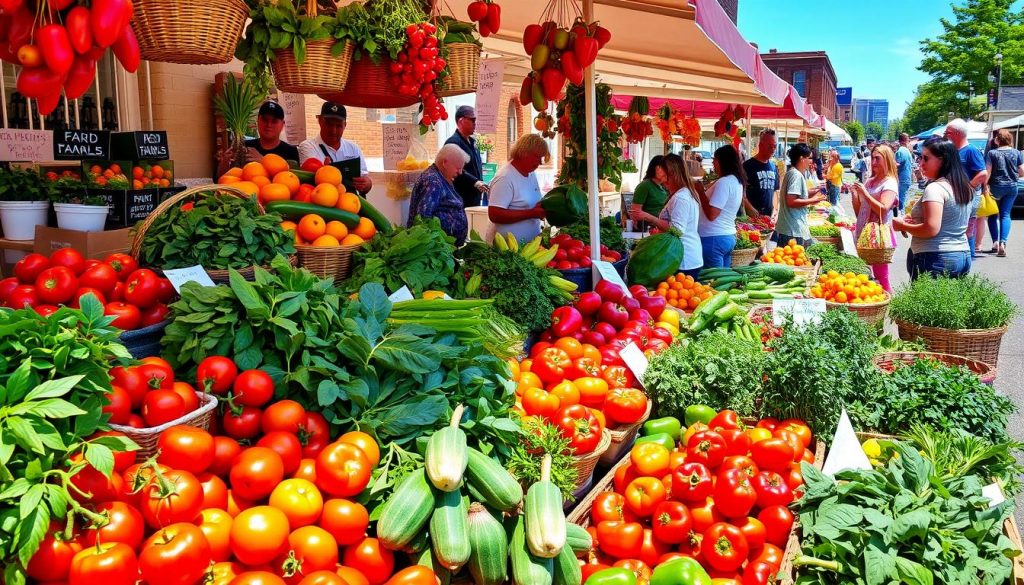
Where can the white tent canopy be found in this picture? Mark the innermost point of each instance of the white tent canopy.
(836, 133)
(1011, 123)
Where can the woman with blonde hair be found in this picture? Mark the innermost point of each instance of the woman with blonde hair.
(515, 195)
(682, 211)
(875, 200)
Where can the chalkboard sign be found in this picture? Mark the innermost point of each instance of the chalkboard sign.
(140, 145)
(81, 145)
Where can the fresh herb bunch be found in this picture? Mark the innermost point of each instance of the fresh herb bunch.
(957, 453)
(888, 343)
(420, 257)
(377, 28)
(981, 303)
(542, 438)
(935, 394)
(237, 104)
(822, 252)
(610, 162)
(845, 263)
(25, 185)
(220, 231)
(824, 231)
(717, 369)
(79, 197)
(611, 233)
(904, 523)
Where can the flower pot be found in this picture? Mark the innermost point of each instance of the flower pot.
(20, 218)
(81, 218)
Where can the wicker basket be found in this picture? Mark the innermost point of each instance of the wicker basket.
(369, 87)
(327, 262)
(464, 70)
(870, 313)
(876, 255)
(835, 241)
(976, 344)
(887, 362)
(623, 437)
(321, 72)
(585, 464)
(187, 31)
(147, 438)
(144, 342)
(216, 275)
(744, 257)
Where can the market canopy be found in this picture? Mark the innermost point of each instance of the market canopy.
(1016, 122)
(975, 131)
(836, 133)
(658, 48)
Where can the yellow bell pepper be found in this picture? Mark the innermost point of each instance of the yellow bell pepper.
(433, 294)
(670, 316)
(668, 327)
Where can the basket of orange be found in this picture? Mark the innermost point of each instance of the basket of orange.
(683, 292)
(854, 292)
(792, 254)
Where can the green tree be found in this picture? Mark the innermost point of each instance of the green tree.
(874, 129)
(895, 127)
(931, 106)
(855, 130)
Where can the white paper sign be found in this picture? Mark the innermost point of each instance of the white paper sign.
(488, 95)
(402, 294)
(397, 139)
(994, 493)
(849, 246)
(294, 106)
(26, 145)
(179, 276)
(635, 360)
(606, 271)
(846, 451)
(803, 310)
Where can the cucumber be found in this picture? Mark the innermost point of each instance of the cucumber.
(577, 538)
(447, 455)
(418, 544)
(759, 295)
(297, 209)
(757, 285)
(728, 312)
(488, 547)
(708, 307)
(728, 279)
(545, 518)
(567, 570)
(449, 532)
(528, 569)
(428, 560)
(370, 212)
(492, 482)
(724, 286)
(406, 513)
(307, 177)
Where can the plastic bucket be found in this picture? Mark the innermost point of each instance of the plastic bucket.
(20, 218)
(81, 218)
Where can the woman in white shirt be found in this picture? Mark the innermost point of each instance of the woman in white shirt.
(682, 212)
(875, 199)
(514, 200)
(717, 225)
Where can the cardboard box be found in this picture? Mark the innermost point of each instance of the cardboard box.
(91, 244)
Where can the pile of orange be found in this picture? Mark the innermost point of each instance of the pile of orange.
(312, 230)
(272, 180)
(683, 292)
(849, 288)
(151, 176)
(792, 254)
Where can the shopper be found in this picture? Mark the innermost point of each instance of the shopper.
(857, 166)
(796, 198)
(835, 177)
(650, 195)
(682, 211)
(904, 168)
(515, 193)
(1004, 165)
(973, 163)
(269, 126)
(717, 224)
(435, 195)
(875, 200)
(468, 184)
(328, 146)
(762, 178)
(938, 222)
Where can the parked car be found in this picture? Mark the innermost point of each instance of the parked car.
(845, 155)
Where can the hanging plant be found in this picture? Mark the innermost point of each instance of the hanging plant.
(572, 125)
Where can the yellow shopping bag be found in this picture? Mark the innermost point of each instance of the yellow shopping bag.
(988, 206)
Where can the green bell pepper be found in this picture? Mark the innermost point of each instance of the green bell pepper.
(664, 439)
(613, 576)
(681, 571)
(669, 425)
(699, 413)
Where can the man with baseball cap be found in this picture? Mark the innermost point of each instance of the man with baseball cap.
(329, 146)
(269, 125)
(468, 184)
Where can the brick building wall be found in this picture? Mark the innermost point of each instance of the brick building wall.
(820, 77)
(730, 7)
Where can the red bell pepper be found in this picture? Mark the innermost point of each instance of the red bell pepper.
(565, 321)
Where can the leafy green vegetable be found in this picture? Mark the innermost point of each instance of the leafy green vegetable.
(420, 257)
(611, 233)
(25, 185)
(473, 321)
(981, 303)
(957, 453)
(543, 438)
(824, 231)
(220, 231)
(822, 252)
(845, 263)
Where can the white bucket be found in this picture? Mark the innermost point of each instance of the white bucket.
(81, 218)
(20, 218)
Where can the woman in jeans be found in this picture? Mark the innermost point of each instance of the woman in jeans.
(1005, 165)
(796, 198)
(717, 227)
(938, 222)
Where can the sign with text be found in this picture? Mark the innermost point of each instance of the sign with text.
(849, 246)
(179, 276)
(402, 294)
(294, 106)
(635, 360)
(148, 145)
(488, 95)
(397, 140)
(25, 145)
(606, 271)
(803, 310)
(81, 145)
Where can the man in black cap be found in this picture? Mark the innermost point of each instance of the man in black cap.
(468, 184)
(329, 146)
(269, 125)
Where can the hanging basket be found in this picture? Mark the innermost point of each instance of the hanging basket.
(876, 255)
(189, 31)
(369, 87)
(321, 72)
(464, 70)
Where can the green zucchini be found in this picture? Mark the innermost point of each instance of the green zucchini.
(528, 569)
(492, 482)
(545, 518)
(406, 513)
(297, 209)
(307, 177)
(726, 286)
(759, 295)
(728, 312)
(708, 307)
(418, 544)
(370, 212)
(567, 569)
(449, 531)
(756, 285)
(577, 538)
(488, 546)
(447, 455)
(427, 559)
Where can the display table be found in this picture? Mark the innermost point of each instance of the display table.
(478, 220)
(391, 193)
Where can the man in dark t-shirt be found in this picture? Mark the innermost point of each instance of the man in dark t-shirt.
(762, 177)
(270, 125)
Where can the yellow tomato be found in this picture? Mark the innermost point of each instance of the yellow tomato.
(758, 434)
(670, 316)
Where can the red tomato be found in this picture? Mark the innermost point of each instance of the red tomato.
(610, 506)
(622, 540)
(342, 470)
(119, 407)
(161, 407)
(156, 375)
(167, 292)
(283, 415)
(126, 316)
(741, 462)
(90, 481)
(142, 288)
(707, 447)
(772, 490)
(215, 524)
(255, 473)
(69, 258)
(652, 549)
(371, 559)
(737, 442)
(22, 297)
(112, 563)
(188, 395)
(155, 314)
(724, 547)
(770, 554)
(255, 388)
(625, 405)
(259, 534)
(118, 293)
(286, 445)
(125, 524)
(215, 491)
(644, 494)
(800, 428)
(53, 559)
(778, 522)
(30, 267)
(130, 380)
(315, 435)
(79, 32)
(618, 377)
(7, 285)
(671, 522)
(578, 424)
(185, 447)
(550, 364)
(123, 265)
(216, 374)
(691, 483)
(108, 17)
(734, 495)
(76, 298)
(176, 555)
(307, 469)
(345, 520)
(243, 423)
(56, 285)
(773, 454)
(168, 498)
(704, 515)
(314, 549)
(753, 530)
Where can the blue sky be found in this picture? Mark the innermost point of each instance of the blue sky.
(873, 44)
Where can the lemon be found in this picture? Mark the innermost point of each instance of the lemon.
(872, 449)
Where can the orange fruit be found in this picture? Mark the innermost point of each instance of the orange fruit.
(116, 168)
(165, 183)
(260, 181)
(248, 187)
(253, 169)
(234, 172)
(365, 229)
(274, 164)
(156, 171)
(337, 229)
(352, 240)
(328, 174)
(289, 226)
(136, 184)
(288, 179)
(274, 192)
(349, 202)
(311, 227)
(137, 173)
(325, 194)
(325, 241)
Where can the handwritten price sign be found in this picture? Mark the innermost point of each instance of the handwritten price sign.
(397, 139)
(488, 95)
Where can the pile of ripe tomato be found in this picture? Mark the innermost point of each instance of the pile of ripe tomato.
(416, 71)
(718, 493)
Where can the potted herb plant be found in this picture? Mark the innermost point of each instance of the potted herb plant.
(237, 104)
(24, 202)
(79, 211)
(484, 145)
